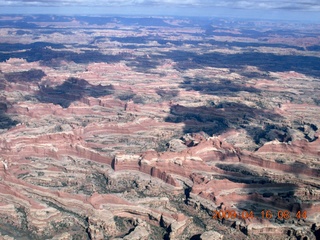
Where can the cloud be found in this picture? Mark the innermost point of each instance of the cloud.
(304, 5)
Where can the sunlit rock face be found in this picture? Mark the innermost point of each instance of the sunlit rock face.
(127, 128)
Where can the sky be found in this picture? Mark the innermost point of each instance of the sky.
(300, 10)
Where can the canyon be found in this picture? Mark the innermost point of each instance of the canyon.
(142, 128)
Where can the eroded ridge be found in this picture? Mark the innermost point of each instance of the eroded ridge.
(110, 132)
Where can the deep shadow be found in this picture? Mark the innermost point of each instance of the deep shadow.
(314, 48)
(71, 90)
(251, 75)
(5, 121)
(196, 237)
(250, 44)
(229, 115)
(264, 61)
(221, 87)
(317, 233)
(2, 84)
(33, 75)
(143, 63)
(12, 47)
(187, 194)
(17, 24)
(45, 55)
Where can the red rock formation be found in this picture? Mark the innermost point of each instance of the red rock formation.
(139, 144)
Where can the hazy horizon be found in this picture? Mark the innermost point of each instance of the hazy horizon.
(297, 10)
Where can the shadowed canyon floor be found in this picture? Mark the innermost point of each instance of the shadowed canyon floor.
(158, 128)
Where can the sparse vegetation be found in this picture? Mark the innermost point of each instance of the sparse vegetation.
(99, 105)
(138, 99)
(125, 96)
(167, 94)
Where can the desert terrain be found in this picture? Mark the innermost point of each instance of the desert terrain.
(158, 128)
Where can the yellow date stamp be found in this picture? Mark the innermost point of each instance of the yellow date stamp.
(264, 214)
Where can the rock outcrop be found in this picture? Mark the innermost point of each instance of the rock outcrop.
(167, 141)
